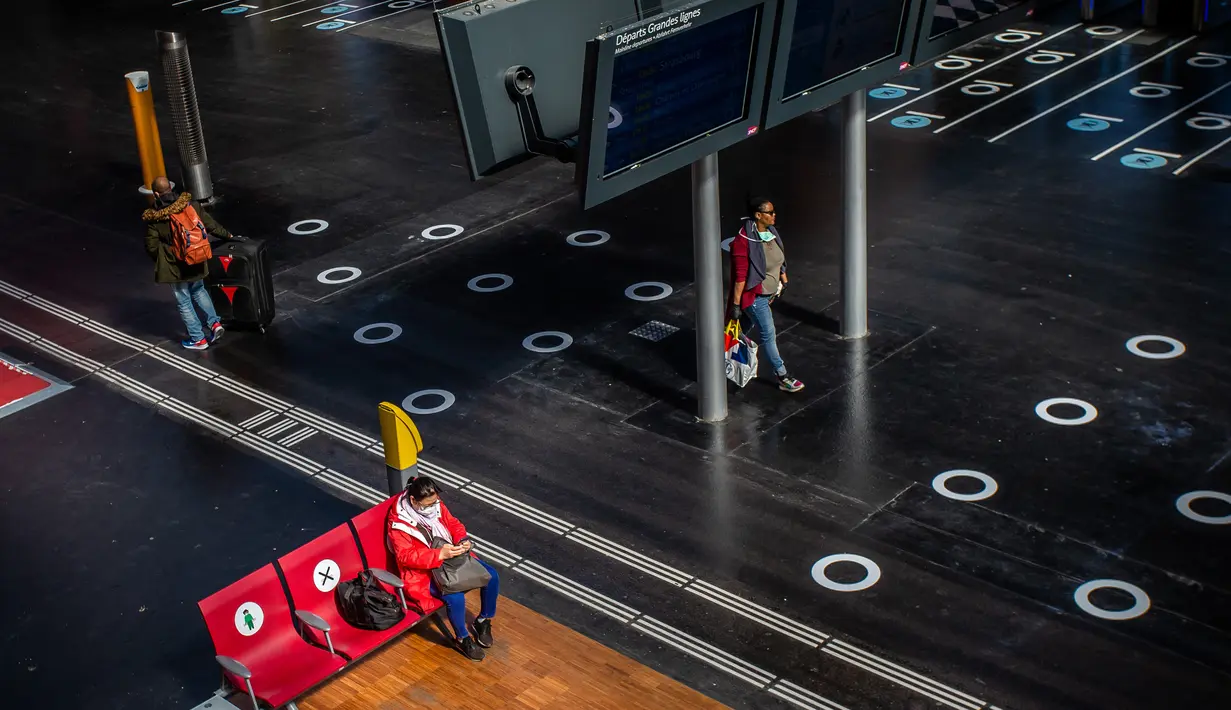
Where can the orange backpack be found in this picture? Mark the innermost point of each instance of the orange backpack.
(189, 243)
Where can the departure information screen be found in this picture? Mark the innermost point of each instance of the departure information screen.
(832, 38)
(953, 15)
(678, 81)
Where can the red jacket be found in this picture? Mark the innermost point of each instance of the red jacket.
(740, 263)
(415, 555)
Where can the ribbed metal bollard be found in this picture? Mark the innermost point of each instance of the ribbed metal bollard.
(182, 97)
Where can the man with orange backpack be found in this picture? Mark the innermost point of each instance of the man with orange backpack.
(177, 239)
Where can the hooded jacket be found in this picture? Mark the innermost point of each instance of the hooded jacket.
(748, 261)
(158, 239)
(415, 556)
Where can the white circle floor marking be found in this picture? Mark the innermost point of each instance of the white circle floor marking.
(249, 618)
(989, 485)
(1184, 505)
(1203, 62)
(664, 290)
(575, 238)
(1208, 123)
(297, 228)
(564, 338)
(1134, 347)
(953, 64)
(505, 282)
(1044, 58)
(361, 335)
(873, 570)
(1103, 30)
(1013, 37)
(1140, 606)
(1150, 92)
(977, 89)
(615, 118)
(326, 575)
(326, 276)
(408, 404)
(1042, 407)
(454, 230)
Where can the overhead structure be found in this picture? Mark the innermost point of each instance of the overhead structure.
(827, 50)
(665, 92)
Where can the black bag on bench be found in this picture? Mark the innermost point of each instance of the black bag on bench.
(364, 604)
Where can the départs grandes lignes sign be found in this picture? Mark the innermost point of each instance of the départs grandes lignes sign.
(655, 30)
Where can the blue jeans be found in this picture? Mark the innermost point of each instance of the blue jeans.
(455, 603)
(767, 337)
(188, 294)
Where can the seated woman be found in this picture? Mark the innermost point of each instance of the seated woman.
(417, 510)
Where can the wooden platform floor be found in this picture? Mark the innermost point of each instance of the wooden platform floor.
(535, 664)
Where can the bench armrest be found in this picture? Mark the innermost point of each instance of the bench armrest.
(387, 577)
(317, 623)
(233, 666)
(394, 581)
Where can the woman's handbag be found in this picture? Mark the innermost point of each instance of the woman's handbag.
(456, 574)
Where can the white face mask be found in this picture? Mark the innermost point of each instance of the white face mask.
(431, 512)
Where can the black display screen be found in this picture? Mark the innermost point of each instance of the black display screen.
(680, 87)
(832, 38)
(953, 15)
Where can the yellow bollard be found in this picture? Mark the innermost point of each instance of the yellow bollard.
(402, 446)
(148, 145)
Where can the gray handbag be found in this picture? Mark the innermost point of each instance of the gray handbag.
(456, 574)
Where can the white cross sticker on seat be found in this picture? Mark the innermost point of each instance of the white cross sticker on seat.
(326, 575)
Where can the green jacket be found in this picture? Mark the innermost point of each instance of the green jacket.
(158, 242)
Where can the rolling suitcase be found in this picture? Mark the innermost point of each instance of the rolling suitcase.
(241, 284)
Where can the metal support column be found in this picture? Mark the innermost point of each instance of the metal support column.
(707, 255)
(182, 98)
(855, 222)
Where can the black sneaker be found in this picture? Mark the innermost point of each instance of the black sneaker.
(786, 383)
(470, 649)
(483, 632)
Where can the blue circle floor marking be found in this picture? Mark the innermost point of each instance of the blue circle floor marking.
(330, 25)
(235, 10)
(1089, 124)
(887, 92)
(334, 10)
(1143, 161)
(911, 122)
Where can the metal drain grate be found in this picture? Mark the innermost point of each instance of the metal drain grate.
(653, 331)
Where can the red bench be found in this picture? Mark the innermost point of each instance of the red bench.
(277, 632)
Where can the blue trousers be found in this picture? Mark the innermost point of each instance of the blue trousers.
(189, 297)
(455, 603)
(767, 335)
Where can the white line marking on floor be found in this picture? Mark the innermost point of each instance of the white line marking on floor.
(927, 115)
(993, 83)
(716, 595)
(335, 18)
(1092, 89)
(1213, 115)
(374, 19)
(1199, 158)
(1148, 151)
(1037, 82)
(1165, 86)
(966, 77)
(277, 7)
(1104, 118)
(1157, 123)
(967, 59)
(903, 87)
(258, 419)
(221, 4)
(294, 14)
